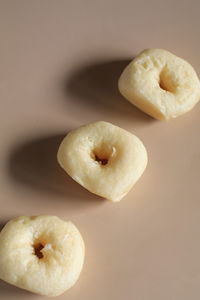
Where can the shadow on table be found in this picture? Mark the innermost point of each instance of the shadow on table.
(8, 290)
(34, 165)
(95, 86)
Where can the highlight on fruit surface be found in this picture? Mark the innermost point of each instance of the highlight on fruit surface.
(41, 254)
(105, 159)
(160, 84)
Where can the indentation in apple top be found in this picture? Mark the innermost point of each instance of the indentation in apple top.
(37, 249)
(167, 81)
(103, 154)
(99, 155)
(101, 161)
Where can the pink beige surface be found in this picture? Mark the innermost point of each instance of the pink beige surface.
(59, 65)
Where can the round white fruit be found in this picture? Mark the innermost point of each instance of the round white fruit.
(41, 254)
(103, 158)
(161, 84)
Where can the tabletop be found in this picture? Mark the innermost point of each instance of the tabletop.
(60, 62)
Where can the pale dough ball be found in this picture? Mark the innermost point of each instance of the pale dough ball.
(161, 84)
(103, 158)
(41, 254)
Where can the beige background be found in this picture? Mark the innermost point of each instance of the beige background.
(59, 65)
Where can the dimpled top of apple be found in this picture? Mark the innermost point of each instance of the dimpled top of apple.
(105, 159)
(41, 254)
(161, 84)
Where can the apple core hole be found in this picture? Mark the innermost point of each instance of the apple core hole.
(166, 82)
(101, 161)
(101, 156)
(37, 250)
(163, 85)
